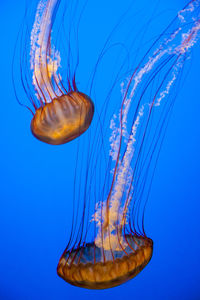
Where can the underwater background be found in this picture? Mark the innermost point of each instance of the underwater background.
(36, 183)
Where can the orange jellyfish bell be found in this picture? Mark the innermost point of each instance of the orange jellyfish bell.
(63, 119)
(96, 268)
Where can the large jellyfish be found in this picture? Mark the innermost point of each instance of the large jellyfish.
(109, 245)
(60, 113)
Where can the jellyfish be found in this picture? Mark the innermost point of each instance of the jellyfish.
(109, 246)
(60, 113)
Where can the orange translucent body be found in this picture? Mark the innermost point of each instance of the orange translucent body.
(93, 268)
(63, 119)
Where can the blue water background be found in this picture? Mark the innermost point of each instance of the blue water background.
(36, 180)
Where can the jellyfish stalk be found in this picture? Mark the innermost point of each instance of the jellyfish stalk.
(115, 211)
(44, 59)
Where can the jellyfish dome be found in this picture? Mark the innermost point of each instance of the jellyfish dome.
(94, 267)
(63, 119)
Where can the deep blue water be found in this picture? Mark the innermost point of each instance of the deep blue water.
(36, 179)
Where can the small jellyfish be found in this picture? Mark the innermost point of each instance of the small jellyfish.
(108, 244)
(60, 113)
